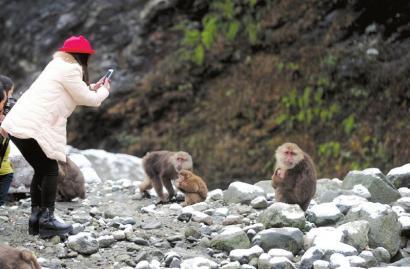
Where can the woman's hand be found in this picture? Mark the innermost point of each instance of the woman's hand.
(101, 82)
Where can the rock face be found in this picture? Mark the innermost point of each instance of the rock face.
(381, 189)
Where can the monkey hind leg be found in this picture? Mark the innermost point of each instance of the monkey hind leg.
(145, 186)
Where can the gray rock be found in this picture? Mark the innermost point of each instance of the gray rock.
(404, 202)
(83, 243)
(325, 185)
(259, 203)
(151, 224)
(232, 220)
(215, 195)
(199, 262)
(384, 225)
(245, 255)
(381, 255)
(111, 166)
(361, 191)
(319, 264)
(329, 248)
(281, 263)
(239, 192)
(405, 224)
(266, 185)
(283, 215)
(312, 255)
(356, 261)
(278, 252)
(404, 192)
(231, 238)
(402, 263)
(373, 179)
(105, 241)
(324, 214)
(322, 234)
(290, 239)
(369, 258)
(338, 260)
(400, 176)
(232, 265)
(355, 233)
(345, 202)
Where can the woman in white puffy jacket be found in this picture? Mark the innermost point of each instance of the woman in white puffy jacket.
(37, 126)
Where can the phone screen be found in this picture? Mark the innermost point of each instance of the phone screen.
(109, 74)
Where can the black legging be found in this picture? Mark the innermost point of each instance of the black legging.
(43, 187)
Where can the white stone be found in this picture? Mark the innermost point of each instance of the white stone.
(239, 254)
(361, 191)
(278, 252)
(322, 234)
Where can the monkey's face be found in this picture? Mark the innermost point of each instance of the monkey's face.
(289, 155)
(183, 161)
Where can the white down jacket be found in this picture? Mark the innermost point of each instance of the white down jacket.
(42, 111)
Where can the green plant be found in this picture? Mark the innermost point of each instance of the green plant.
(221, 21)
(329, 150)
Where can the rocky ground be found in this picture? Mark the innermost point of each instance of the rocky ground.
(362, 222)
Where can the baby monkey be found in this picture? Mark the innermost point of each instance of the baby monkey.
(12, 258)
(192, 186)
(294, 177)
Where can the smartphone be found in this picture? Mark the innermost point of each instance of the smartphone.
(109, 73)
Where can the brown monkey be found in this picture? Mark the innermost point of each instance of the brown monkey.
(294, 178)
(12, 258)
(160, 168)
(70, 181)
(193, 186)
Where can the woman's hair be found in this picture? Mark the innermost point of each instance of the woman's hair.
(82, 59)
(3, 92)
(6, 82)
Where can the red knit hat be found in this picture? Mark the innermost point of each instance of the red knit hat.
(78, 44)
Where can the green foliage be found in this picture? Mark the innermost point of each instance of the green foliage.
(222, 21)
(306, 107)
(329, 150)
(349, 124)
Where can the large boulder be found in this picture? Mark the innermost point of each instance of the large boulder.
(381, 189)
(112, 166)
(283, 215)
(400, 176)
(240, 192)
(290, 239)
(231, 238)
(384, 226)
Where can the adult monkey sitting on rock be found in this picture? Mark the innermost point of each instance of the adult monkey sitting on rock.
(161, 167)
(294, 178)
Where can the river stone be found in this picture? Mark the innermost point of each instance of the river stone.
(290, 239)
(282, 215)
(83, 243)
(239, 192)
(355, 233)
(400, 176)
(231, 238)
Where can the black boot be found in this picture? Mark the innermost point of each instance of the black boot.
(33, 220)
(49, 226)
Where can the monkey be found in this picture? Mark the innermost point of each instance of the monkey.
(193, 186)
(294, 177)
(70, 181)
(12, 258)
(160, 168)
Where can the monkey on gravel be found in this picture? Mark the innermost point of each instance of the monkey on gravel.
(294, 177)
(161, 167)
